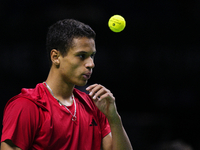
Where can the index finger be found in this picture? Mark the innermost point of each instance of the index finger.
(89, 88)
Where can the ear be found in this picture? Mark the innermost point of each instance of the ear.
(55, 54)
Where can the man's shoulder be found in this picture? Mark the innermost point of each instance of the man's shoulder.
(20, 104)
(84, 98)
(33, 93)
(21, 101)
(79, 92)
(81, 95)
(29, 97)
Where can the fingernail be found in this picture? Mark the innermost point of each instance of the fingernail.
(90, 93)
(94, 97)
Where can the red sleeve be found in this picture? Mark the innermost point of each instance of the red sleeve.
(20, 122)
(104, 125)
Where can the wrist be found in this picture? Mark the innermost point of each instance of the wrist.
(115, 119)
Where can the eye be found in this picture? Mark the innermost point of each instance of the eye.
(92, 56)
(85, 55)
(82, 56)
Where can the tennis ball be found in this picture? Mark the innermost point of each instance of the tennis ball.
(116, 23)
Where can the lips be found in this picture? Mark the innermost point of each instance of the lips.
(87, 75)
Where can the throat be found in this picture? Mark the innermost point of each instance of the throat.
(66, 102)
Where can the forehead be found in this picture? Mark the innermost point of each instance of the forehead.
(83, 44)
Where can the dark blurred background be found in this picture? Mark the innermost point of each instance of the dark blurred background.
(152, 67)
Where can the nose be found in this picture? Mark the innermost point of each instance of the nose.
(90, 63)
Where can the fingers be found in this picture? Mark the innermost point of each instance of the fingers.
(89, 88)
(103, 99)
(98, 92)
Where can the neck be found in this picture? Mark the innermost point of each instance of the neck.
(61, 90)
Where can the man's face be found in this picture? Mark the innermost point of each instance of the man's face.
(76, 67)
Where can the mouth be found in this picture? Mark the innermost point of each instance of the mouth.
(87, 76)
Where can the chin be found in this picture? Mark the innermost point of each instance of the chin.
(81, 83)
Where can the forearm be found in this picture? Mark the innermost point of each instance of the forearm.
(120, 140)
(105, 101)
(8, 145)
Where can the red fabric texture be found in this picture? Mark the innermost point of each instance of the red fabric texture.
(34, 120)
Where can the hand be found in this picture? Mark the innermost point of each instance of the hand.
(104, 99)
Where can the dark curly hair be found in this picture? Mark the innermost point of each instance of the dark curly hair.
(61, 34)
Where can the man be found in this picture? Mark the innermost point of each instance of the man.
(56, 116)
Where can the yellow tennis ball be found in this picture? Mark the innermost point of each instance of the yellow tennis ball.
(116, 23)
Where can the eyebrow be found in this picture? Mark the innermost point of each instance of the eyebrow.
(84, 52)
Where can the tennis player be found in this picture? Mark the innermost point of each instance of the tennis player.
(56, 116)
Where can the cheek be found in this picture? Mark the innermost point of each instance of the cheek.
(71, 70)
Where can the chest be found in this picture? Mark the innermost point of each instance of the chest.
(62, 119)
(58, 128)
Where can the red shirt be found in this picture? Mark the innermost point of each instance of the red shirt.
(35, 120)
